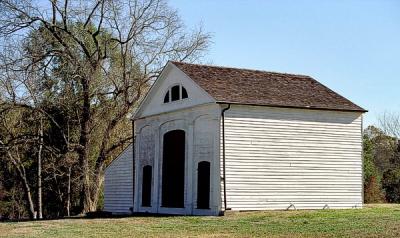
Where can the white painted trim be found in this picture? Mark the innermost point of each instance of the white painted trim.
(164, 71)
(189, 179)
(156, 190)
(136, 202)
(177, 110)
(167, 68)
(213, 159)
(186, 118)
(362, 159)
(178, 124)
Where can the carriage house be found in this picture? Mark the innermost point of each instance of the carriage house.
(210, 139)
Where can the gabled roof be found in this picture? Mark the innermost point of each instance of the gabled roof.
(255, 87)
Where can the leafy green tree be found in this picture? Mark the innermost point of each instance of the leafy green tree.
(372, 178)
(381, 157)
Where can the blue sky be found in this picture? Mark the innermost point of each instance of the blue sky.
(353, 47)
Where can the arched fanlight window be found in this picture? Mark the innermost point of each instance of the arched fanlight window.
(184, 93)
(166, 98)
(175, 93)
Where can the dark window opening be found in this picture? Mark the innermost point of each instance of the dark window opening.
(166, 98)
(175, 93)
(146, 186)
(203, 185)
(184, 93)
(173, 169)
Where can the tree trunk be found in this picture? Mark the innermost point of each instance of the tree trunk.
(84, 143)
(39, 172)
(22, 175)
(28, 194)
(97, 184)
(87, 201)
(69, 192)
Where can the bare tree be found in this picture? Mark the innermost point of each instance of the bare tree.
(13, 144)
(389, 122)
(109, 50)
(20, 81)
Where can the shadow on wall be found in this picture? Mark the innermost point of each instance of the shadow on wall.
(295, 114)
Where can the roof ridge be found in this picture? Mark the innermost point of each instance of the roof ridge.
(247, 69)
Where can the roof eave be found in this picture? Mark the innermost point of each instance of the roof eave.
(362, 110)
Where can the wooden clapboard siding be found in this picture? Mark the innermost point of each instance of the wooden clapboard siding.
(118, 187)
(276, 157)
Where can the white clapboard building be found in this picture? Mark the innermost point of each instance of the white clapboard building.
(210, 139)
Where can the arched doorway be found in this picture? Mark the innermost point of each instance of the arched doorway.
(173, 169)
(203, 185)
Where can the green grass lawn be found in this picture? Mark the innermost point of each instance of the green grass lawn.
(371, 221)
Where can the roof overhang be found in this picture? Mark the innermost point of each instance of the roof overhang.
(294, 107)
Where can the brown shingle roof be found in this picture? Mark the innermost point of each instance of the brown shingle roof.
(255, 87)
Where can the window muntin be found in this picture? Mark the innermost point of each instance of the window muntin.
(175, 93)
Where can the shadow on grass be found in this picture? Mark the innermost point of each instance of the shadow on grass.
(92, 215)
